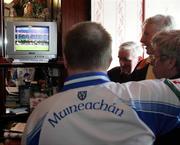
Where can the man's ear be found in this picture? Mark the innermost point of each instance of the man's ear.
(110, 60)
(65, 61)
(140, 58)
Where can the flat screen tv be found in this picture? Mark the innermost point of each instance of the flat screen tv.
(31, 40)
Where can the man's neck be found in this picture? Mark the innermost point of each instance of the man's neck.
(78, 71)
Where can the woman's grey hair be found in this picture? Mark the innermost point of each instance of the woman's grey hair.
(162, 22)
(168, 43)
(88, 46)
(132, 47)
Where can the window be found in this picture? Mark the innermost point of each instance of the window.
(123, 18)
(166, 7)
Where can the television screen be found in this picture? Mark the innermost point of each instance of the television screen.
(31, 41)
(31, 38)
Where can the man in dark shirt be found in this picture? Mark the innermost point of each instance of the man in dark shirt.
(129, 55)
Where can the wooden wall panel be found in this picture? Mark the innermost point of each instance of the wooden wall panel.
(74, 11)
(1, 27)
(2, 81)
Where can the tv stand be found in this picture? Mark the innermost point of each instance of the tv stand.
(30, 61)
(4, 60)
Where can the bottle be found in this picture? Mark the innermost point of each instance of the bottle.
(28, 10)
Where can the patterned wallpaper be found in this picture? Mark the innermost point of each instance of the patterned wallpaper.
(122, 18)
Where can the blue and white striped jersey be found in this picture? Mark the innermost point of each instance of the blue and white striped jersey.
(92, 110)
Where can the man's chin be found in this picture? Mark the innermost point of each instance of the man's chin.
(149, 50)
(126, 73)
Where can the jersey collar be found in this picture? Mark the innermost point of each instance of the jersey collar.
(85, 79)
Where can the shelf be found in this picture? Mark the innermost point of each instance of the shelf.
(22, 19)
(14, 117)
(50, 64)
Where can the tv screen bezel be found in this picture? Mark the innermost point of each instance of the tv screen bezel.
(10, 51)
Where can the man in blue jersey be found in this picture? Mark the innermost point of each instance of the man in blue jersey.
(92, 110)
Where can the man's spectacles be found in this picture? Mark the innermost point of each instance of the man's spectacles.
(159, 58)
